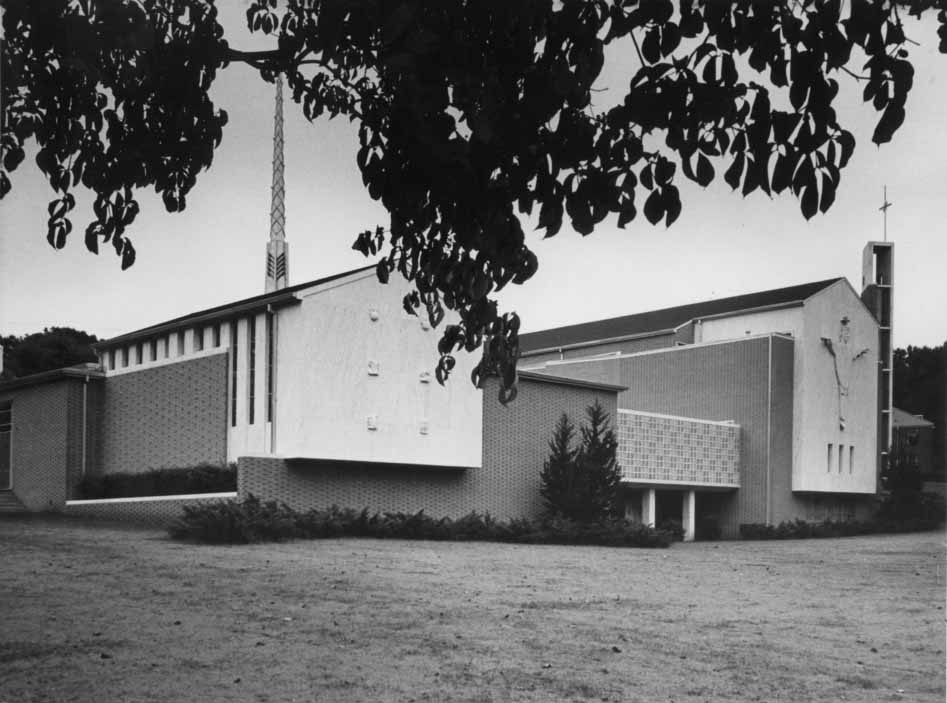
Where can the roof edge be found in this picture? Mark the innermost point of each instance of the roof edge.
(569, 381)
(36, 379)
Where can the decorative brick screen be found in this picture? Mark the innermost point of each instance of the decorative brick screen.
(655, 448)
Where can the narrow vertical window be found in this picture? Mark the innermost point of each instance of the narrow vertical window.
(167, 347)
(181, 343)
(251, 367)
(269, 366)
(851, 460)
(124, 357)
(153, 351)
(216, 336)
(841, 456)
(6, 445)
(198, 339)
(138, 356)
(233, 373)
(111, 359)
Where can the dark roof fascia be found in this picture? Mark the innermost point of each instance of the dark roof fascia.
(51, 377)
(668, 318)
(311, 462)
(276, 299)
(596, 342)
(569, 381)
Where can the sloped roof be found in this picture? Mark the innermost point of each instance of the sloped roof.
(666, 318)
(902, 418)
(283, 295)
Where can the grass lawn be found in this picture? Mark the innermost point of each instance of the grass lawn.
(93, 613)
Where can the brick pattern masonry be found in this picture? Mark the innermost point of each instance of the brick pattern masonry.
(173, 415)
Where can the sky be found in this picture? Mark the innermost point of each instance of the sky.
(723, 244)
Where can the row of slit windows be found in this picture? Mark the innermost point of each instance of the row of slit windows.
(209, 337)
(251, 370)
(160, 348)
(830, 458)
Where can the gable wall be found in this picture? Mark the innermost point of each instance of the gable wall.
(329, 349)
(817, 396)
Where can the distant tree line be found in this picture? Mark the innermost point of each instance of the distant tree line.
(920, 388)
(53, 348)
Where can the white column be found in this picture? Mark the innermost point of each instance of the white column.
(647, 507)
(688, 514)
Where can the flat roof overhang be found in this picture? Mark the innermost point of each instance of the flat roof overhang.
(322, 463)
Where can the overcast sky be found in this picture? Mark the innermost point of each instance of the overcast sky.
(722, 245)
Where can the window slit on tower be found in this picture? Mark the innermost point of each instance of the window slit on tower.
(251, 368)
(233, 373)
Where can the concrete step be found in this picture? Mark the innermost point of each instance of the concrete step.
(10, 504)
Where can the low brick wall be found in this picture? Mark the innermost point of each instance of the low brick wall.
(155, 511)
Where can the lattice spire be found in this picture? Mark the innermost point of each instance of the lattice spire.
(277, 250)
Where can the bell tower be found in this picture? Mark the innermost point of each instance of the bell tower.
(878, 295)
(277, 250)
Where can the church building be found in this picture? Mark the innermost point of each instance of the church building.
(756, 408)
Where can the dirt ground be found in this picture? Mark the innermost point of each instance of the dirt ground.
(93, 613)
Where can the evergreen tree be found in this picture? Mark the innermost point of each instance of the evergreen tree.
(596, 461)
(558, 477)
(582, 484)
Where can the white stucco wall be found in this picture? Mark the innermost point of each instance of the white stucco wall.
(816, 398)
(781, 321)
(326, 393)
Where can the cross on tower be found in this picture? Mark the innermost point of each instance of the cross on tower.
(884, 209)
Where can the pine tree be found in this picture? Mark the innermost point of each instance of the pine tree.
(558, 477)
(582, 484)
(596, 461)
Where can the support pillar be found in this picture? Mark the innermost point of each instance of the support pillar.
(688, 513)
(648, 507)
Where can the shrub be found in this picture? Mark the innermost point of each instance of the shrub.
(583, 483)
(673, 528)
(251, 520)
(203, 478)
(234, 522)
(800, 529)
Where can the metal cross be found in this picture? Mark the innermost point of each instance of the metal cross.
(884, 210)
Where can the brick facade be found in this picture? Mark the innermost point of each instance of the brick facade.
(165, 416)
(515, 444)
(47, 441)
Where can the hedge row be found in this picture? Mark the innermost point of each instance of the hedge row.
(800, 529)
(252, 520)
(204, 478)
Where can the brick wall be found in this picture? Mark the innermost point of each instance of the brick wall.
(507, 484)
(659, 448)
(151, 512)
(166, 416)
(40, 453)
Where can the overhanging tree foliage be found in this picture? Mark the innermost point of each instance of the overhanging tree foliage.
(469, 113)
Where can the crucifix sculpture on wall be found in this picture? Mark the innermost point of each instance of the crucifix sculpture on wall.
(844, 361)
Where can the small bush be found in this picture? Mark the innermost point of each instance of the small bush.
(673, 528)
(234, 522)
(251, 520)
(203, 478)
